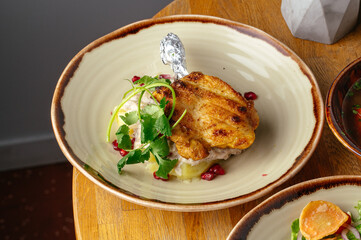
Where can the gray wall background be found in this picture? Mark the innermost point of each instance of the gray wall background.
(37, 40)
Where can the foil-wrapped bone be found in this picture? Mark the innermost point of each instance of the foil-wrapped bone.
(172, 53)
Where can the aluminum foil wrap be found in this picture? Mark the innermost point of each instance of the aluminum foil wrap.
(172, 53)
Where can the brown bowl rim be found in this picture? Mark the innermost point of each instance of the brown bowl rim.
(330, 115)
(292, 193)
(57, 116)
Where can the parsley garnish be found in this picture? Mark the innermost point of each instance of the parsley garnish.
(355, 108)
(350, 236)
(358, 207)
(295, 228)
(357, 85)
(349, 94)
(155, 127)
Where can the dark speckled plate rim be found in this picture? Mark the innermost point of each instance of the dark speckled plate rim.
(331, 120)
(57, 115)
(290, 194)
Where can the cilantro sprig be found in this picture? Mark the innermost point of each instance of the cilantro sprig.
(355, 108)
(155, 127)
(295, 228)
(358, 207)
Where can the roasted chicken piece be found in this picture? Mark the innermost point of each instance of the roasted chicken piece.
(217, 116)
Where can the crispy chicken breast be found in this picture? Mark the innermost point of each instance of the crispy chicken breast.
(217, 116)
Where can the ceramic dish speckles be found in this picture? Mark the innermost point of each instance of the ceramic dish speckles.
(289, 105)
(273, 217)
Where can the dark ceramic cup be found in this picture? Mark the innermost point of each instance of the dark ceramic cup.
(335, 97)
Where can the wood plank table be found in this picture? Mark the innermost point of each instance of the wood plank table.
(100, 215)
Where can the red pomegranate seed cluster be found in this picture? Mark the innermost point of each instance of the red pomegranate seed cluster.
(115, 145)
(165, 76)
(121, 151)
(159, 178)
(212, 172)
(135, 78)
(250, 96)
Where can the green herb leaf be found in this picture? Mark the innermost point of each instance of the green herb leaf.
(123, 160)
(148, 132)
(123, 129)
(123, 138)
(357, 85)
(160, 147)
(154, 122)
(147, 80)
(138, 156)
(356, 106)
(165, 166)
(162, 80)
(134, 157)
(144, 80)
(145, 155)
(354, 111)
(141, 157)
(130, 118)
(163, 126)
(349, 94)
(295, 228)
(151, 110)
(163, 102)
(350, 236)
(358, 207)
(358, 227)
(130, 157)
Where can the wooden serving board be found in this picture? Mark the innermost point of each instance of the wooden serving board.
(100, 215)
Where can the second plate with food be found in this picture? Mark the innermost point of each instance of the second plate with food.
(289, 105)
(272, 219)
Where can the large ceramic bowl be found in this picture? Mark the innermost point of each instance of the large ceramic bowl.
(273, 217)
(289, 104)
(334, 101)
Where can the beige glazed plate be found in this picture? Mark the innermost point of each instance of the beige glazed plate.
(290, 108)
(272, 218)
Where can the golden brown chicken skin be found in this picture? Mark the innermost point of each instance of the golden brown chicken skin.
(217, 116)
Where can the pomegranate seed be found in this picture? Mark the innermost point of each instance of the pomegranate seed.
(250, 96)
(165, 76)
(208, 176)
(160, 178)
(133, 140)
(116, 148)
(123, 152)
(135, 78)
(115, 145)
(217, 169)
